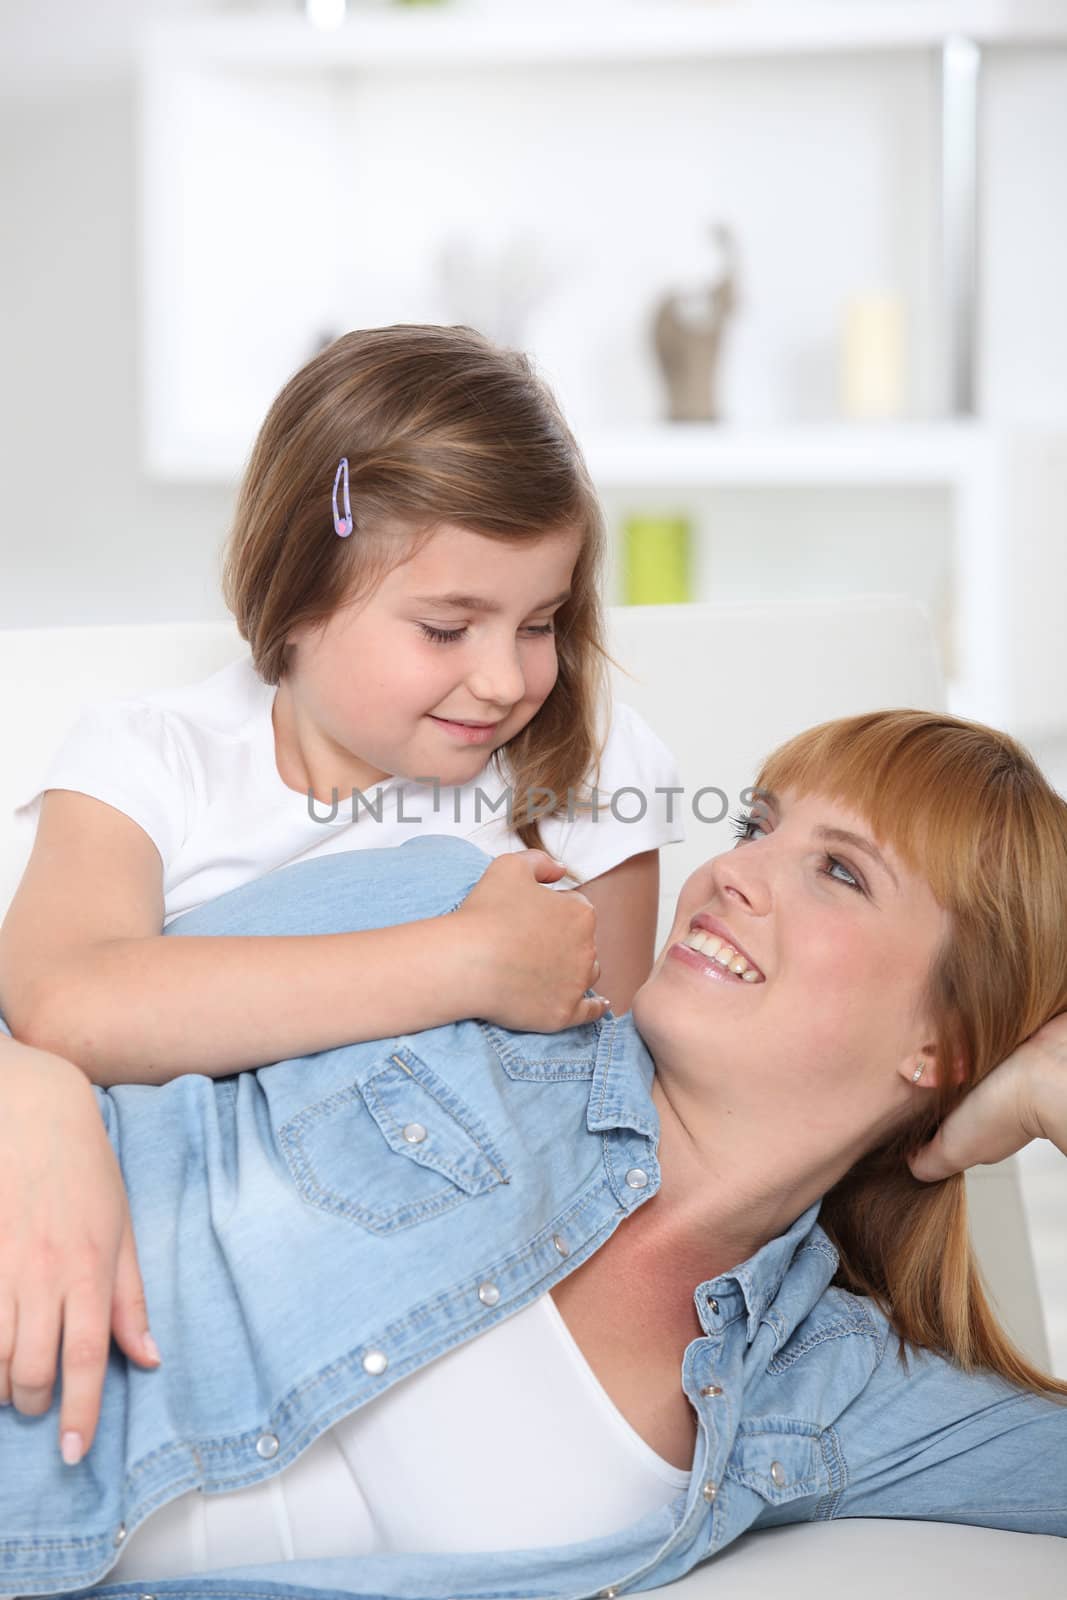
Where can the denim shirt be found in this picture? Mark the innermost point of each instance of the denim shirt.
(300, 1255)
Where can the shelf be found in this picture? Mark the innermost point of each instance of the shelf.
(702, 455)
(640, 31)
(694, 455)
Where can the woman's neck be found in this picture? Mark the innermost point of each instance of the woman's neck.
(727, 1190)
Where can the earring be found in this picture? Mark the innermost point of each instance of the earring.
(342, 524)
(919, 1070)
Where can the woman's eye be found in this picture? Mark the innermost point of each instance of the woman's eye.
(849, 878)
(442, 635)
(542, 628)
(746, 826)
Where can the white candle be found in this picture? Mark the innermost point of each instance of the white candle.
(326, 14)
(872, 357)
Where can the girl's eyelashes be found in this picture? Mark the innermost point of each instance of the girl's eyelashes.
(747, 825)
(441, 635)
(451, 635)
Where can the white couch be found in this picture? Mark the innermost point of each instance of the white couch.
(722, 685)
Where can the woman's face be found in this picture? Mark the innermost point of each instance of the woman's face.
(839, 938)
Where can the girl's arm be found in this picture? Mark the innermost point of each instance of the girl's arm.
(1024, 1098)
(68, 1263)
(627, 906)
(85, 972)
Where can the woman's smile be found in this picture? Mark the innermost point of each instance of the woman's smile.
(708, 965)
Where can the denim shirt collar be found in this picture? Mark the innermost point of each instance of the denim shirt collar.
(620, 1095)
(761, 1278)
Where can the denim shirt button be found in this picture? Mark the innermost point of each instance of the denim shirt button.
(777, 1474)
(710, 1389)
(120, 1534)
(267, 1445)
(713, 1305)
(375, 1362)
(561, 1245)
(709, 1491)
(488, 1294)
(608, 1594)
(637, 1178)
(414, 1132)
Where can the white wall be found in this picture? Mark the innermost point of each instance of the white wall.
(86, 536)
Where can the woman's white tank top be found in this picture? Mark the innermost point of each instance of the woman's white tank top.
(508, 1442)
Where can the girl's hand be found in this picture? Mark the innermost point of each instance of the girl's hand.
(533, 952)
(68, 1263)
(1024, 1098)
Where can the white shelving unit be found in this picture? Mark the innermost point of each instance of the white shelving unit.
(695, 455)
(271, 151)
(1006, 497)
(483, 34)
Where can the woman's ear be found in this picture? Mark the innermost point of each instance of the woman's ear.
(924, 1069)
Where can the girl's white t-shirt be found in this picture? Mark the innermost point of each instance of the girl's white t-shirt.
(195, 768)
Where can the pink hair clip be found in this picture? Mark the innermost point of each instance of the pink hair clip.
(342, 524)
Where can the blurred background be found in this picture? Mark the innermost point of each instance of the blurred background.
(795, 270)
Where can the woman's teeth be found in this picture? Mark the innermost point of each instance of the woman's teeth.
(709, 944)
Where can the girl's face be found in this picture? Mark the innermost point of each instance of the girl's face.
(840, 938)
(445, 661)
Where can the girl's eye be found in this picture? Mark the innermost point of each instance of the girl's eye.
(442, 635)
(450, 635)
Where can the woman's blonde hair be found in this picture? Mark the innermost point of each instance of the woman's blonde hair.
(439, 425)
(968, 809)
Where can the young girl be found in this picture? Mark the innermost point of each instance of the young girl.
(425, 652)
(415, 565)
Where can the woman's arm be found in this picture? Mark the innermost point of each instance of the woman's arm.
(626, 901)
(937, 1443)
(1024, 1098)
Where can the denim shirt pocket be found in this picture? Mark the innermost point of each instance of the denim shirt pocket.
(393, 1149)
(559, 1057)
(778, 1458)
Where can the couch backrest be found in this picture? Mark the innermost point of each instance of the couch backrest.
(721, 684)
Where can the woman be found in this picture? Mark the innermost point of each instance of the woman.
(891, 922)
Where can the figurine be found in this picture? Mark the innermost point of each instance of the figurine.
(688, 331)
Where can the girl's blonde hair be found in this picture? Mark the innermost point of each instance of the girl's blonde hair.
(439, 425)
(966, 808)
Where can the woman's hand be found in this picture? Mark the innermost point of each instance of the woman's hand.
(533, 951)
(68, 1263)
(1024, 1098)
